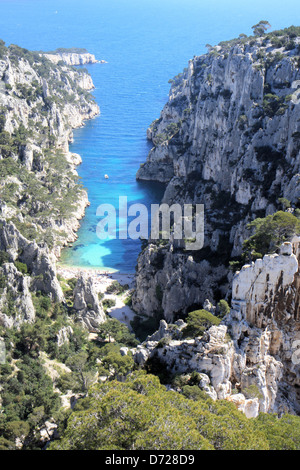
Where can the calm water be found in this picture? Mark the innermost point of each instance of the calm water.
(145, 44)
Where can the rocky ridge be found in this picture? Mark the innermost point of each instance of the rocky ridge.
(251, 357)
(41, 201)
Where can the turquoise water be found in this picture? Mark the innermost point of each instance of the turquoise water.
(145, 44)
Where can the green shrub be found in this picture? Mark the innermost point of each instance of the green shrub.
(4, 257)
(269, 233)
(114, 329)
(22, 267)
(153, 418)
(199, 321)
(223, 308)
(108, 303)
(128, 301)
(252, 392)
(283, 433)
(274, 105)
(116, 288)
(284, 202)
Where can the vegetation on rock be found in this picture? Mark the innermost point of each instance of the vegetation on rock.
(140, 414)
(198, 322)
(269, 233)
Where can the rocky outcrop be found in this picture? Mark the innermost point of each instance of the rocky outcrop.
(39, 261)
(251, 358)
(264, 323)
(89, 310)
(171, 283)
(227, 138)
(71, 58)
(63, 336)
(47, 431)
(16, 305)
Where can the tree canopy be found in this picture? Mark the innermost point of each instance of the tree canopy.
(260, 28)
(269, 233)
(140, 414)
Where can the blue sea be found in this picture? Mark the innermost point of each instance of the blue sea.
(145, 43)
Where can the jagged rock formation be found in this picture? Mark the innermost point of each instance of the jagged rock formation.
(227, 138)
(39, 261)
(16, 304)
(251, 358)
(64, 335)
(265, 325)
(89, 310)
(171, 283)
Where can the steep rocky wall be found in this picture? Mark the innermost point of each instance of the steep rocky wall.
(41, 201)
(49, 101)
(227, 138)
(265, 324)
(252, 357)
(89, 310)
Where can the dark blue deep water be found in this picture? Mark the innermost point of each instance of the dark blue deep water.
(145, 42)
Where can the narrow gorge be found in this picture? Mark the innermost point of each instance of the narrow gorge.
(218, 326)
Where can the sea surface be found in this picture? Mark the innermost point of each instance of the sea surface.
(145, 43)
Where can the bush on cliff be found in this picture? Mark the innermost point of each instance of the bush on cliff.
(198, 322)
(269, 233)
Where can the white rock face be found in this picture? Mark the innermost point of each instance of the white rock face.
(72, 58)
(64, 335)
(252, 283)
(89, 310)
(216, 143)
(249, 358)
(264, 323)
(39, 260)
(48, 430)
(249, 407)
(16, 305)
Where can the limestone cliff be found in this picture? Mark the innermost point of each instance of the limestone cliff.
(252, 358)
(227, 138)
(41, 201)
(40, 104)
(71, 56)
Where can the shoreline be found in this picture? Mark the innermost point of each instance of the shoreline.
(101, 277)
(67, 272)
(94, 270)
